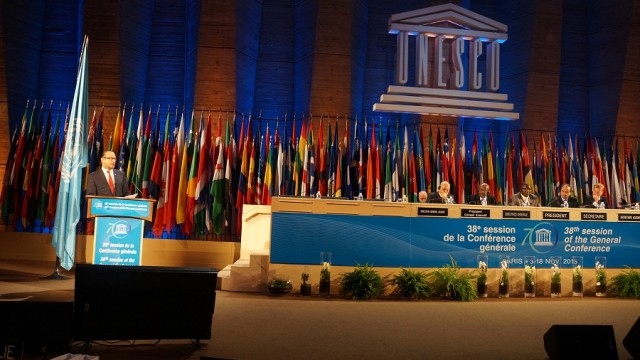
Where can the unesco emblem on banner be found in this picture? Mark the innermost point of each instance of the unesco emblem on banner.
(119, 229)
(98, 204)
(457, 64)
(542, 238)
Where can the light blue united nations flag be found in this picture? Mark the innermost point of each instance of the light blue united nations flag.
(74, 159)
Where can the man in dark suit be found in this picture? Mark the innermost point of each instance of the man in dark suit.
(482, 197)
(565, 199)
(596, 201)
(107, 181)
(442, 196)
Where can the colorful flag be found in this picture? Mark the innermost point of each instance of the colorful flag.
(243, 177)
(218, 190)
(202, 215)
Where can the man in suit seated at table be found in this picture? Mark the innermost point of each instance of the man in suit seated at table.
(107, 181)
(596, 201)
(565, 199)
(524, 197)
(442, 196)
(482, 197)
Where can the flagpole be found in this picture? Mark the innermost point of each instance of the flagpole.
(56, 274)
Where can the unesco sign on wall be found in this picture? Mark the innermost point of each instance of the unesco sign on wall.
(450, 43)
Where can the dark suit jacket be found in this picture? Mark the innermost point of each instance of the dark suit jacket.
(475, 200)
(98, 184)
(435, 198)
(588, 201)
(557, 202)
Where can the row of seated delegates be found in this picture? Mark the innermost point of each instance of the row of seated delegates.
(522, 198)
(564, 199)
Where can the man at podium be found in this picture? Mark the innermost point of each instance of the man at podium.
(107, 181)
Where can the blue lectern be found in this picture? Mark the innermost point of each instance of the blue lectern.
(119, 228)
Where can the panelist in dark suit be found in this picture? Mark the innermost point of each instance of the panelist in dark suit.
(442, 196)
(524, 197)
(596, 201)
(482, 197)
(107, 181)
(564, 199)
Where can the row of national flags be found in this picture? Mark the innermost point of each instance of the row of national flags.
(202, 176)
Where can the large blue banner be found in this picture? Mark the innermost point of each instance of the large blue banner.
(118, 241)
(390, 241)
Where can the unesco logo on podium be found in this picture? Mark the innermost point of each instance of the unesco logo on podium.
(542, 238)
(119, 229)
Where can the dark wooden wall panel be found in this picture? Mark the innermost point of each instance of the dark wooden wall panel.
(248, 20)
(102, 25)
(541, 105)
(304, 48)
(216, 69)
(274, 73)
(607, 55)
(628, 123)
(573, 106)
(331, 85)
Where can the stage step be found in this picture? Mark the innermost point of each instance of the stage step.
(248, 275)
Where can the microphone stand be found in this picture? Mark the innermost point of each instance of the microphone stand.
(56, 275)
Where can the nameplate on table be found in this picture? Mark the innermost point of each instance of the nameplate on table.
(629, 217)
(516, 214)
(423, 211)
(555, 215)
(591, 216)
(476, 213)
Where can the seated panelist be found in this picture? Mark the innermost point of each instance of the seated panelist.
(524, 197)
(482, 197)
(442, 196)
(564, 200)
(596, 200)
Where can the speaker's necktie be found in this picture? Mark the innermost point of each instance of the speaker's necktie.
(111, 184)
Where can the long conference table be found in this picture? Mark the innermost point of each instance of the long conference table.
(395, 234)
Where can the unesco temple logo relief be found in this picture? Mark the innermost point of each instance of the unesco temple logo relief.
(450, 44)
